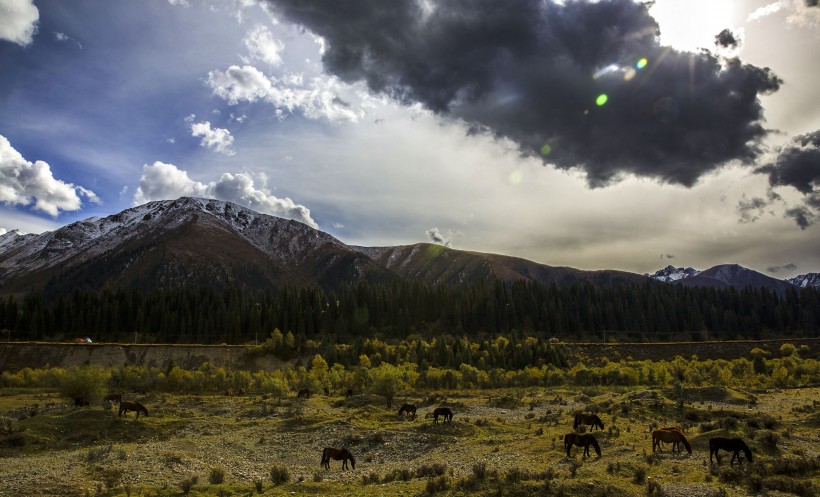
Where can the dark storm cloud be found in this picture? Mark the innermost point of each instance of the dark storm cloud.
(785, 267)
(533, 71)
(751, 210)
(812, 3)
(798, 165)
(727, 39)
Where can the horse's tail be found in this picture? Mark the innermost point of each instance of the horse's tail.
(595, 446)
(686, 444)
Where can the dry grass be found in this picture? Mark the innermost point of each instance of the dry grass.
(499, 443)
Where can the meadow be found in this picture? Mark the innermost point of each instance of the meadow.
(197, 440)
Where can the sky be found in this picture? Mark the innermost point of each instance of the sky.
(607, 134)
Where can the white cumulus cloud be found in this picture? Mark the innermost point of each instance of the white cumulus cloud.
(263, 46)
(18, 21)
(318, 98)
(219, 140)
(23, 183)
(162, 181)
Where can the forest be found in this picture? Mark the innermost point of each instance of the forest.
(582, 311)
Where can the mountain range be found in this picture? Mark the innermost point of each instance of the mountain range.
(193, 241)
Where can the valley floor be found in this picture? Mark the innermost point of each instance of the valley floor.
(501, 442)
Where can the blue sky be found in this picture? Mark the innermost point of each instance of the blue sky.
(104, 105)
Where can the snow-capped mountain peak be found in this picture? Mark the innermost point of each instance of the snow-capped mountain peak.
(806, 280)
(671, 273)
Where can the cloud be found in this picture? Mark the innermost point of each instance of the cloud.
(217, 139)
(436, 236)
(62, 37)
(319, 98)
(263, 46)
(765, 11)
(183, 3)
(727, 39)
(797, 164)
(751, 210)
(19, 21)
(161, 181)
(805, 13)
(524, 71)
(785, 267)
(23, 183)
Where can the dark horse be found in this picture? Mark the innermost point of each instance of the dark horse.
(588, 419)
(734, 445)
(303, 394)
(126, 406)
(581, 440)
(442, 411)
(337, 455)
(408, 409)
(673, 436)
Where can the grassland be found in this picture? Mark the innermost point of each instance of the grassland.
(501, 442)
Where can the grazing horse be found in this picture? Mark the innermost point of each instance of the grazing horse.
(669, 436)
(442, 411)
(408, 409)
(126, 406)
(587, 419)
(303, 393)
(581, 440)
(675, 445)
(734, 445)
(114, 397)
(337, 455)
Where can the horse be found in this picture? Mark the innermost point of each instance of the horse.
(114, 397)
(442, 411)
(588, 419)
(675, 445)
(126, 406)
(409, 409)
(303, 393)
(669, 436)
(734, 445)
(581, 440)
(337, 455)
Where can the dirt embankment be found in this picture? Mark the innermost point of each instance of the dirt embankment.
(17, 355)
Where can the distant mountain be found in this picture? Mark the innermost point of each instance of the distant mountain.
(188, 241)
(192, 241)
(735, 276)
(806, 280)
(671, 273)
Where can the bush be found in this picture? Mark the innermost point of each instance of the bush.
(434, 469)
(188, 483)
(279, 475)
(640, 475)
(217, 476)
(437, 484)
(259, 485)
(85, 385)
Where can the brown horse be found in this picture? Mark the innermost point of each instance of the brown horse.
(669, 436)
(734, 445)
(126, 406)
(303, 393)
(444, 412)
(587, 419)
(675, 445)
(337, 455)
(408, 409)
(581, 440)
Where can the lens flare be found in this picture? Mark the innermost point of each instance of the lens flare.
(642, 63)
(602, 99)
(629, 73)
(516, 177)
(546, 149)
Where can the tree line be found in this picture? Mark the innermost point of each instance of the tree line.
(629, 312)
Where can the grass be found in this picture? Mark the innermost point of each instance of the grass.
(500, 442)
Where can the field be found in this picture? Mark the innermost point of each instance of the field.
(501, 442)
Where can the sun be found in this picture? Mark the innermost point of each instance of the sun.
(689, 25)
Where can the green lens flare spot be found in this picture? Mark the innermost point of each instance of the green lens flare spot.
(642, 63)
(516, 177)
(602, 99)
(546, 150)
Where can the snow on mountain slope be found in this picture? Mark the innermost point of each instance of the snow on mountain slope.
(671, 273)
(806, 280)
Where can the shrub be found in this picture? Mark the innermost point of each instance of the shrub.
(370, 478)
(188, 483)
(640, 475)
(654, 489)
(768, 438)
(437, 484)
(217, 476)
(85, 385)
(435, 469)
(279, 475)
(259, 485)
